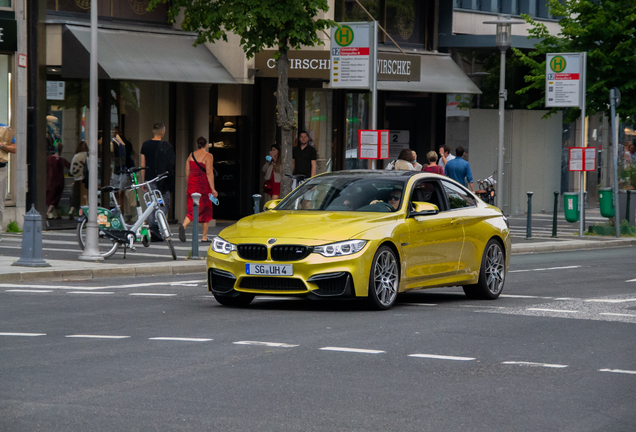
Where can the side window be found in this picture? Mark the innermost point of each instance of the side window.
(457, 197)
(426, 191)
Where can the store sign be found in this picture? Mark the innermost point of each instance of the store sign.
(457, 105)
(351, 56)
(564, 80)
(373, 144)
(8, 35)
(582, 158)
(55, 90)
(399, 140)
(317, 64)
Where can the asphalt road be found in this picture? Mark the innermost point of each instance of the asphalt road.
(555, 352)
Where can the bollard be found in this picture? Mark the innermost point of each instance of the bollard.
(627, 207)
(554, 217)
(529, 223)
(31, 255)
(257, 200)
(196, 197)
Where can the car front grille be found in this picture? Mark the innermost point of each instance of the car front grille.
(290, 252)
(273, 284)
(252, 252)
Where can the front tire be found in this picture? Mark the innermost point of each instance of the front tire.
(492, 274)
(106, 247)
(243, 299)
(384, 279)
(165, 231)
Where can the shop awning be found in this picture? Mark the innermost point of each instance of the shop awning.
(438, 74)
(148, 56)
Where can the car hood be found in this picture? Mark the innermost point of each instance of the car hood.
(317, 226)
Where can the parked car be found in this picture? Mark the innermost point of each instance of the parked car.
(367, 234)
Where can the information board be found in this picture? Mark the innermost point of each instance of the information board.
(582, 158)
(373, 144)
(350, 56)
(565, 80)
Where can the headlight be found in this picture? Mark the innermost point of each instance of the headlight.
(341, 248)
(221, 246)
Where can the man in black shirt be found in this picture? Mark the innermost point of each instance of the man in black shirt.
(158, 156)
(305, 156)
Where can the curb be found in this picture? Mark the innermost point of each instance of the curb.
(570, 245)
(159, 269)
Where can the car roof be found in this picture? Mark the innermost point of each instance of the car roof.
(372, 173)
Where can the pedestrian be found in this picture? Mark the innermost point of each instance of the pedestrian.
(459, 169)
(200, 174)
(6, 147)
(55, 165)
(79, 192)
(432, 164)
(157, 155)
(445, 156)
(271, 168)
(304, 157)
(120, 178)
(416, 166)
(404, 160)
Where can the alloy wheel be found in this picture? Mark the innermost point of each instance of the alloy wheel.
(385, 276)
(494, 269)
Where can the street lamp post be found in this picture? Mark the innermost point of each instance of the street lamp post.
(503, 41)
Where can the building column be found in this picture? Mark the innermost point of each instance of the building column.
(20, 115)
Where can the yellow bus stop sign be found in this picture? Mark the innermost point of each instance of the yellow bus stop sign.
(344, 36)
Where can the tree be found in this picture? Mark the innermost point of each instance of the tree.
(261, 24)
(606, 30)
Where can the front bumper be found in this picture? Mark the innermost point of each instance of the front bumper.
(315, 276)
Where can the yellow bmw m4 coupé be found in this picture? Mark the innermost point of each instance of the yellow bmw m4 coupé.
(365, 234)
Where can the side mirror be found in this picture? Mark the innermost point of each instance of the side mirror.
(271, 205)
(424, 209)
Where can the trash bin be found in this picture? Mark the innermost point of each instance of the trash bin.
(571, 206)
(606, 202)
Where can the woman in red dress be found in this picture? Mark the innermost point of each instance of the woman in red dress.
(200, 174)
(271, 168)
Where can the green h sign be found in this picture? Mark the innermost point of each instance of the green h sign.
(344, 36)
(557, 64)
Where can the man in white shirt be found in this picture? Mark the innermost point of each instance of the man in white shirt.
(444, 156)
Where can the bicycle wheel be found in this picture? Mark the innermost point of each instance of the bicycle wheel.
(165, 231)
(105, 246)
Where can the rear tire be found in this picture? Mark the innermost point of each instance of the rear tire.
(243, 299)
(106, 247)
(384, 279)
(492, 274)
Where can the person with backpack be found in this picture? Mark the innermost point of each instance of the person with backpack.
(200, 174)
(157, 155)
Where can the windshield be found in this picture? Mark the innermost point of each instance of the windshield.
(346, 193)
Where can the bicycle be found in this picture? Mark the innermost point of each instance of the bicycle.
(487, 190)
(297, 179)
(113, 230)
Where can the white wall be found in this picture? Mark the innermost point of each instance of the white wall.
(532, 158)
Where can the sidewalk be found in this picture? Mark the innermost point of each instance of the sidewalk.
(73, 269)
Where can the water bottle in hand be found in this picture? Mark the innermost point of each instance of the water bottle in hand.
(268, 158)
(214, 200)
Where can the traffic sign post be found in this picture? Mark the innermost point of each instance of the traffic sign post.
(565, 87)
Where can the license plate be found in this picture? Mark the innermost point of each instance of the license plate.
(269, 269)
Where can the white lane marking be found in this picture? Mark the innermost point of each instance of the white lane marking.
(29, 291)
(522, 296)
(618, 314)
(618, 371)
(97, 336)
(90, 292)
(565, 298)
(551, 310)
(152, 294)
(183, 284)
(441, 357)
(23, 334)
(525, 363)
(482, 307)
(354, 350)
(269, 344)
(544, 269)
(92, 288)
(180, 339)
(610, 300)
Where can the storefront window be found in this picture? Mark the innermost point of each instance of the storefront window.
(349, 10)
(5, 114)
(126, 9)
(627, 156)
(404, 21)
(318, 124)
(357, 111)
(6, 4)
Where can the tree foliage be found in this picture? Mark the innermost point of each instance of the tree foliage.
(606, 30)
(260, 24)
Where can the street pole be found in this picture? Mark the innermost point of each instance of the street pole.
(374, 82)
(581, 173)
(614, 99)
(502, 112)
(91, 250)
